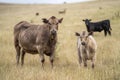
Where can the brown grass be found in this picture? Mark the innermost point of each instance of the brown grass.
(66, 62)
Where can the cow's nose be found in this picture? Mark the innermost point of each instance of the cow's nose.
(53, 32)
(83, 43)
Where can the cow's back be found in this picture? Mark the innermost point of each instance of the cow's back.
(21, 25)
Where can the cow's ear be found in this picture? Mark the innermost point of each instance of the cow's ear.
(60, 20)
(45, 20)
(77, 34)
(90, 19)
(83, 20)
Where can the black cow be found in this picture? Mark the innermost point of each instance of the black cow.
(98, 26)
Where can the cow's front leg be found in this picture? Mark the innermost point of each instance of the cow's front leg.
(52, 59)
(41, 54)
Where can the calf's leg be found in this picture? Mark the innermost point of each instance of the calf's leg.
(85, 62)
(93, 62)
(80, 57)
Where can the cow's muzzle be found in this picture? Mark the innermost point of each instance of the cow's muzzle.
(53, 32)
(83, 43)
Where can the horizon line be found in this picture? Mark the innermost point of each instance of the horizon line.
(1, 2)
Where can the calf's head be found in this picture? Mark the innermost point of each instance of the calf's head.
(87, 21)
(53, 24)
(83, 37)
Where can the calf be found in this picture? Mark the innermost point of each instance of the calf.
(36, 39)
(86, 48)
(98, 26)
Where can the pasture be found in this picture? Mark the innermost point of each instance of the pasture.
(66, 65)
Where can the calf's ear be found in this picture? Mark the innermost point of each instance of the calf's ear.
(60, 20)
(90, 33)
(45, 20)
(77, 34)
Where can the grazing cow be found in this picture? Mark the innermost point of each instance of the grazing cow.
(98, 26)
(86, 48)
(36, 39)
(62, 12)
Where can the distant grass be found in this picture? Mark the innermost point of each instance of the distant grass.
(66, 66)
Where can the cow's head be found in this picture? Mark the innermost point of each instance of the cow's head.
(87, 21)
(53, 24)
(83, 37)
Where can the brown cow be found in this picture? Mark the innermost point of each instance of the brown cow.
(34, 39)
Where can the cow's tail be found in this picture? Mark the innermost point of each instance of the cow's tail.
(109, 25)
(110, 28)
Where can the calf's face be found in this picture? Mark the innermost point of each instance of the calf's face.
(83, 40)
(53, 24)
(83, 37)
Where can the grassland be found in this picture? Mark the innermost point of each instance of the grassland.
(66, 65)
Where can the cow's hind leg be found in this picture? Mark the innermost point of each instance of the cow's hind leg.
(109, 32)
(42, 59)
(18, 53)
(22, 57)
(105, 32)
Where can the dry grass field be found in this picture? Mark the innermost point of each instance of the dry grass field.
(66, 66)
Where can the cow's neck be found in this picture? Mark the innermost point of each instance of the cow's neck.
(53, 40)
(88, 28)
